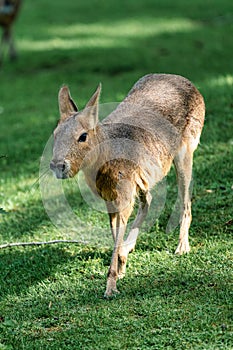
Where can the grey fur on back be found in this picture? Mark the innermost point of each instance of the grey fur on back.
(159, 112)
(173, 96)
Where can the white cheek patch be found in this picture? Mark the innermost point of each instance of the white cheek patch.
(68, 165)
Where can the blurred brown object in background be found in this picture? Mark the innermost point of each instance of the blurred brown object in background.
(8, 12)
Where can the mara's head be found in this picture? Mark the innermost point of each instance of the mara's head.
(75, 135)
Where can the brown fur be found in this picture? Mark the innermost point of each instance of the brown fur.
(124, 156)
(8, 13)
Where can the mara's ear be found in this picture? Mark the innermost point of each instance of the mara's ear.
(89, 117)
(66, 104)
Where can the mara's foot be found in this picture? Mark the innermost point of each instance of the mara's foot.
(183, 247)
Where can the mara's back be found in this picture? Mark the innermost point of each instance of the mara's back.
(162, 112)
(167, 96)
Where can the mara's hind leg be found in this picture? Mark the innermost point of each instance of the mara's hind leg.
(130, 242)
(183, 164)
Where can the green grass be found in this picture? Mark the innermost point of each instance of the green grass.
(51, 297)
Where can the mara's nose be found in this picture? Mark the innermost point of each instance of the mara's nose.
(60, 168)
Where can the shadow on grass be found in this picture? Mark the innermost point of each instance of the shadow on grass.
(23, 268)
(195, 295)
(175, 310)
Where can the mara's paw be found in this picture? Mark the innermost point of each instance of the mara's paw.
(110, 293)
(183, 248)
(111, 289)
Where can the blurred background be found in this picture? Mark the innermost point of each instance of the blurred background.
(116, 42)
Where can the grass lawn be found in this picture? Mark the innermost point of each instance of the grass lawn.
(51, 297)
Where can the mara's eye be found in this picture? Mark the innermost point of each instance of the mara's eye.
(83, 137)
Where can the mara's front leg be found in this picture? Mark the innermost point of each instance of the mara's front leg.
(119, 229)
(118, 222)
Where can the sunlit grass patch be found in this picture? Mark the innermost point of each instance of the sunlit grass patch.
(118, 33)
(57, 43)
(129, 28)
(225, 81)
